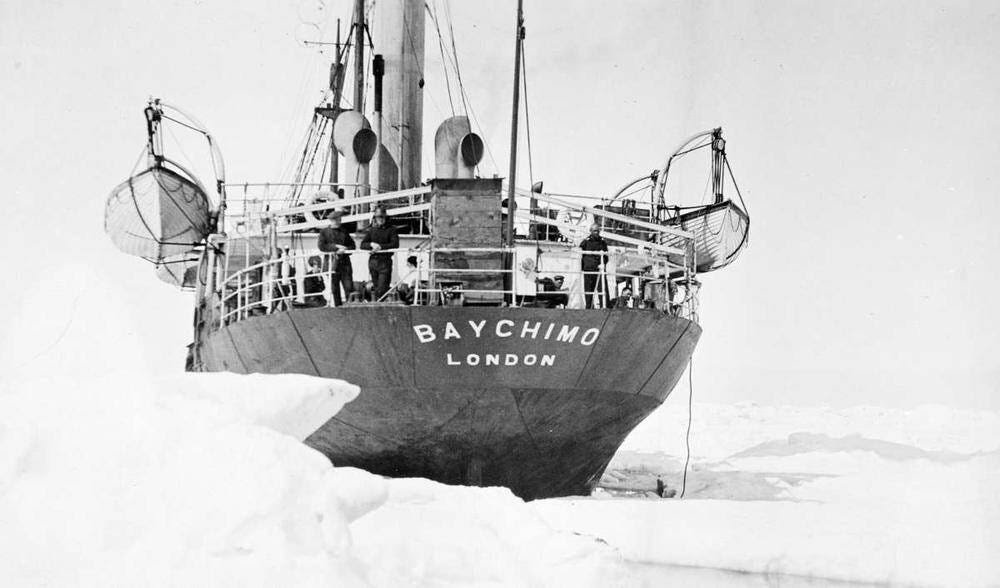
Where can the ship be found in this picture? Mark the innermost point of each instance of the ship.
(473, 369)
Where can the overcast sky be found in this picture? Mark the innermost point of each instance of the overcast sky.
(863, 136)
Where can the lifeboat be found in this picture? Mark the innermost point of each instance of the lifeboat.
(720, 233)
(180, 270)
(158, 214)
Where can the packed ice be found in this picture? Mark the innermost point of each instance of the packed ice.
(202, 479)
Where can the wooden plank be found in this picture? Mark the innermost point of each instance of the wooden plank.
(466, 214)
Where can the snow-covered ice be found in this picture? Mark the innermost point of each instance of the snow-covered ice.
(128, 481)
(862, 494)
(202, 479)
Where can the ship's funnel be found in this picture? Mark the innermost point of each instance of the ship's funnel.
(457, 150)
(399, 35)
(355, 141)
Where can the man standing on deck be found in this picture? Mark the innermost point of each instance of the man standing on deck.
(335, 240)
(591, 264)
(380, 238)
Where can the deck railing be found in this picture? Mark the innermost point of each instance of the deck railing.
(255, 207)
(283, 283)
(661, 277)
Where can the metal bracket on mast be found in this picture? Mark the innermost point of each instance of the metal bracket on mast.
(328, 111)
(154, 114)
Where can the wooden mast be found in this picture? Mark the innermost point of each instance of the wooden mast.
(359, 55)
(336, 87)
(511, 179)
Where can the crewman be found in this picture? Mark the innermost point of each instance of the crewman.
(313, 284)
(590, 264)
(624, 299)
(380, 238)
(552, 295)
(407, 285)
(337, 242)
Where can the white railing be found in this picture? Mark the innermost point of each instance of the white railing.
(271, 285)
(276, 285)
(255, 206)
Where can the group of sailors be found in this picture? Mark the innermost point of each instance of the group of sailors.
(382, 240)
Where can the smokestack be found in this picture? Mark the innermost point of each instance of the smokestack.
(399, 36)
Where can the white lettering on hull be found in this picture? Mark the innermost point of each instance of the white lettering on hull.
(477, 327)
(508, 359)
(505, 329)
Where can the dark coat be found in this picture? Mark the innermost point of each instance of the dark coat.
(313, 284)
(548, 284)
(330, 237)
(387, 238)
(591, 263)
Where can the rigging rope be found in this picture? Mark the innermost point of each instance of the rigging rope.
(527, 119)
(177, 142)
(285, 162)
(413, 55)
(687, 436)
(454, 52)
(144, 154)
(735, 185)
(444, 64)
(466, 102)
(702, 146)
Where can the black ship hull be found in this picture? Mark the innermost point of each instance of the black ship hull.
(537, 400)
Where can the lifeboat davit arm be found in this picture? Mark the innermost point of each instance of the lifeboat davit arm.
(218, 164)
(157, 110)
(659, 176)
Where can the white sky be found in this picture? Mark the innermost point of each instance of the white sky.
(863, 136)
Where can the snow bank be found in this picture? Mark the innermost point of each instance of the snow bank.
(131, 482)
(202, 479)
(457, 536)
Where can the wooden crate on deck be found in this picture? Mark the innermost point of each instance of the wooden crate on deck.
(467, 216)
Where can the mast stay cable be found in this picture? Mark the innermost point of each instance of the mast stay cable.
(444, 63)
(468, 108)
(454, 52)
(687, 436)
(527, 118)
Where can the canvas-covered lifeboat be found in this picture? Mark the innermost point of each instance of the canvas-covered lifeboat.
(163, 213)
(158, 214)
(721, 231)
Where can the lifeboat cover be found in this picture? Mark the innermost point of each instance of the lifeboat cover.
(157, 214)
